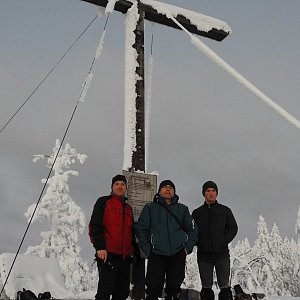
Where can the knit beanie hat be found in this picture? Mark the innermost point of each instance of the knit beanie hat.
(166, 182)
(209, 185)
(118, 178)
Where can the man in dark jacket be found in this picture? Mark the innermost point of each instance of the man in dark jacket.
(111, 232)
(166, 234)
(217, 228)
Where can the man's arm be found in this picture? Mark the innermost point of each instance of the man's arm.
(231, 226)
(143, 231)
(96, 228)
(191, 230)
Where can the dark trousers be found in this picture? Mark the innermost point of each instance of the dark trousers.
(206, 268)
(138, 279)
(114, 278)
(160, 268)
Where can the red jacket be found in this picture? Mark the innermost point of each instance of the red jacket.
(111, 225)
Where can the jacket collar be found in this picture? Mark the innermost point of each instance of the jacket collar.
(157, 198)
(121, 198)
(210, 205)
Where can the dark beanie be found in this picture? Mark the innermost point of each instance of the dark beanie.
(209, 185)
(118, 178)
(166, 182)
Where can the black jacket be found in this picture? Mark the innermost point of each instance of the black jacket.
(216, 228)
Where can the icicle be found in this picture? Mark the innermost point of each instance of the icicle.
(101, 44)
(85, 87)
(252, 88)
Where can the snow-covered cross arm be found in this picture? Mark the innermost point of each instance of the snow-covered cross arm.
(156, 11)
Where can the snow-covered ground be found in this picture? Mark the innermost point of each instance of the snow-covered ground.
(43, 274)
(37, 274)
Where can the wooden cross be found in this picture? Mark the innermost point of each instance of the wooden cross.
(150, 13)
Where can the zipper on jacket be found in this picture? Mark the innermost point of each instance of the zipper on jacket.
(169, 215)
(209, 228)
(123, 219)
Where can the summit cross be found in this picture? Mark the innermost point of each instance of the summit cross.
(157, 12)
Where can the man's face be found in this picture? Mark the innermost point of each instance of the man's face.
(210, 195)
(119, 188)
(167, 192)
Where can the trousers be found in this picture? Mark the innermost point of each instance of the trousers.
(163, 268)
(222, 267)
(114, 278)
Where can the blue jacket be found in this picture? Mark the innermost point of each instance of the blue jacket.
(159, 231)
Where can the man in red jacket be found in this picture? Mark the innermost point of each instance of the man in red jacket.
(111, 232)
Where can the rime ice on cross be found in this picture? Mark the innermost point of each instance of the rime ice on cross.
(136, 11)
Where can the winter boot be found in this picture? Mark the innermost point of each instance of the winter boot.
(173, 297)
(45, 295)
(225, 294)
(207, 294)
(103, 297)
(151, 298)
(240, 294)
(26, 295)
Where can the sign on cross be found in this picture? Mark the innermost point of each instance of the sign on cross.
(194, 22)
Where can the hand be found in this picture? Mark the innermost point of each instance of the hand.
(144, 255)
(102, 254)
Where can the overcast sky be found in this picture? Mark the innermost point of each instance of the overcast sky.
(204, 124)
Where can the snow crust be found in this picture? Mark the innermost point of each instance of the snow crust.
(110, 6)
(131, 77)
(202, 22)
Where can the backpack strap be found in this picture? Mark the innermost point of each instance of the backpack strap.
(172, 214)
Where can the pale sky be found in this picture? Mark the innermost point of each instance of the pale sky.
(204, 125)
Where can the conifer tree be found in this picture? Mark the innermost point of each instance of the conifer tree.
(65, 218)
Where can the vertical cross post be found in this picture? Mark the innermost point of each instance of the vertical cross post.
(138, 156)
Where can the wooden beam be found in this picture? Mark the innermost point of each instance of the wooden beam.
(152, 15)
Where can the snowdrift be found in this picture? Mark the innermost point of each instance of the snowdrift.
(34, 273)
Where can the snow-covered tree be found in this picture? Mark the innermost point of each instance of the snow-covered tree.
(192, 278)
(271, 264)
(263, 238)
(241, 271)
(297, 230)
(66, 219)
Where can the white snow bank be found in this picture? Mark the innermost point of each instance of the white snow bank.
(32, 273)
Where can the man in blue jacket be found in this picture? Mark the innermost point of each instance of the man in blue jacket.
(217, 228)
(166, 234)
